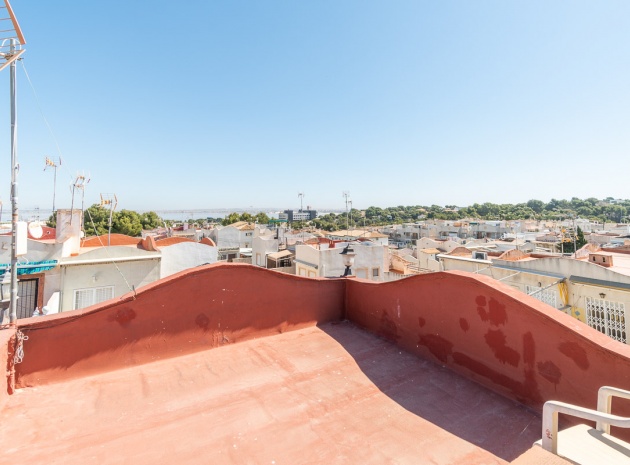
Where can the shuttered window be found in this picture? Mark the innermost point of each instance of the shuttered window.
(94, 295)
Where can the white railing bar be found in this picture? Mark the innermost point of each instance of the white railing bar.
(604, 402)
(552, 408)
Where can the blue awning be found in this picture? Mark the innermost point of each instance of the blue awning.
(29, 267)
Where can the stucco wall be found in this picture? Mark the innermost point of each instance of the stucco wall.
(195, 310)
(228, 237)
(7, 343)
(367, 258)
(261, 247)
(507, 341)
(179, 257)
(83, 274)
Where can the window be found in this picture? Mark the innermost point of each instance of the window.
(375, 272)
(607, 317)
(94, 295)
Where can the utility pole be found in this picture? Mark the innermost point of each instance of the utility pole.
(11, 56)
(14, 192)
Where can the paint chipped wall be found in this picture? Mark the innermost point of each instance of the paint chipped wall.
(487, 331)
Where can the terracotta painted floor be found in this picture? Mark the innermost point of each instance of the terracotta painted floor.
(327, 395)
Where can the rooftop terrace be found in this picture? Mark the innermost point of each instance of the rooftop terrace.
(234, 364)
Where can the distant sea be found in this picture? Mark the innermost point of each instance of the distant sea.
(32, 214)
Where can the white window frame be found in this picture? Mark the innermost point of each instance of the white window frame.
(91, 294)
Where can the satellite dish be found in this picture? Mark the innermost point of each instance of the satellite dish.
(35, 229)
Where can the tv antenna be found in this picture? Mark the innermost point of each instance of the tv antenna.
(346, 195)
(53, 163)
(79, 184)
(112, 201)
(301, 196)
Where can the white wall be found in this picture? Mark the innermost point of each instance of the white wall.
(82, 272)
(368, 258)
(179, 257)
(228, 237)
(261, 247)
(307, 261)
(36, 250)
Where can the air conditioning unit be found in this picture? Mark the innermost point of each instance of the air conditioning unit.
(480, 255)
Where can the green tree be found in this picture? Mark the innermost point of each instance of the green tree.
(96, 220)
(262, 218)
(127, 222)
(52, 221)
(231, 218)
(536, 205)
(150, 220)
(246, 217)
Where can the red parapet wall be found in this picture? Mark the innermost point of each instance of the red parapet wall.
(480, 328)
(190, 311)
(7, 353)
(498, 336)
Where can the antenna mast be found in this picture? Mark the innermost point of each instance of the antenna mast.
(54, 164)
(79, 184)
(11, 49)
(112, 201)
(301, 196)
(346, 195)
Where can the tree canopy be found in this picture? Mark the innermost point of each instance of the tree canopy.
(129, 222)
(260, 218)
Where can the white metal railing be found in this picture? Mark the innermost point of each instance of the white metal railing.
(601, 416)
(604, 402)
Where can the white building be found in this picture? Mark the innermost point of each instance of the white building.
(371, 260)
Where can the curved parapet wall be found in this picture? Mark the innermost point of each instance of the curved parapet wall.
(481, 328)
(187, 312)
(500, 337)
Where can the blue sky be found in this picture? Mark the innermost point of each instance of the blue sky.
(211, 104)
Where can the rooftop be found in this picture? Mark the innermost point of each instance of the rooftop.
(329, 394)
(300, 371)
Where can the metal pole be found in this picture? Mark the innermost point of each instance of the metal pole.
(54, 187)
(82, 227)
(14, 193)
(574, 239)
(109, 232)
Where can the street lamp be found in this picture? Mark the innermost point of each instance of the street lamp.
(348, 259)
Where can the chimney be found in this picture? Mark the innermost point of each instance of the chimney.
(69, 231)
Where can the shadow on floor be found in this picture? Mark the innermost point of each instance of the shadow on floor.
(456, 404)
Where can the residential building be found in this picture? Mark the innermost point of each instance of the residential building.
(233, 240)
(325, 260)
(349, 235)
(298, 215)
